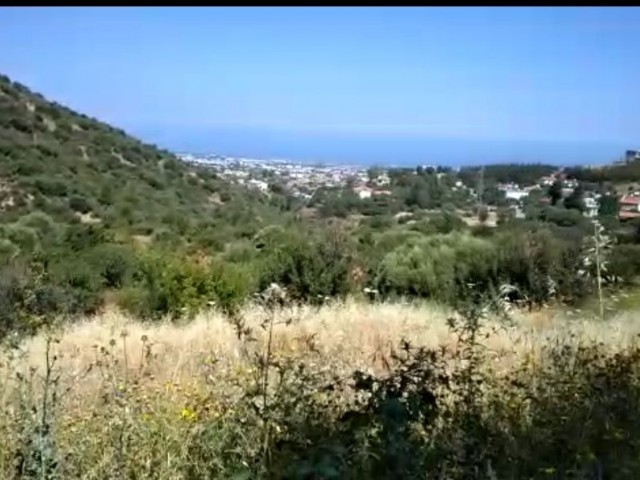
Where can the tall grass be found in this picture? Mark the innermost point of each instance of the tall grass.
(323, 392)
(350, 334)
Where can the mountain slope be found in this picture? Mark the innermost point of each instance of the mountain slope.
(75, 168)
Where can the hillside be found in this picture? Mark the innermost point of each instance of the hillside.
(90, 215)
(75, 168)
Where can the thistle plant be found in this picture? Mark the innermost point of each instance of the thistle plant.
(263, 362)
(596, 252)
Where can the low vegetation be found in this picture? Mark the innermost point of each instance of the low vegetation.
(347, 390)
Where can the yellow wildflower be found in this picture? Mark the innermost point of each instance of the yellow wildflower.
(187, 414)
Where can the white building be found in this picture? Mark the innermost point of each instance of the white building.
(259, 184)
(513, 194)
(382, 180)
(363, 192)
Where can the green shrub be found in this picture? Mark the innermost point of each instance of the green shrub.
(12, 296)
(80, 236)
(444, 222)
(45, 227)
(563, 217)
(116, 264)
(243, 251)
(438, 266)
(167, 287)
(231, 286)
(80, 204)
(8, 251)
(540, 265)
(51, 187)
(270, 237)
(23, 237)
(309, 269)
(379, 222)
(625, 262)
(81, 283)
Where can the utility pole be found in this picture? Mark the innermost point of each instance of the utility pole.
(480, 187)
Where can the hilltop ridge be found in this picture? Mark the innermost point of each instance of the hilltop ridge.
(76, 168)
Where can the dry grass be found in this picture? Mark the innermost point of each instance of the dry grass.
(347, 336)
(199, 372)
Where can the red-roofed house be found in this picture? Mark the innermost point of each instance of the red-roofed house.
(629, 207)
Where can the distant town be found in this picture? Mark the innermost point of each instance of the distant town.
(304, 180)
(300, 179)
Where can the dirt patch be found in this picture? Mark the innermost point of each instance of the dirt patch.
(7, 195)
(119, 156)
(402, 215)
(83, 151)
(144, 240)
(49, 123)
(76, 128)
(308, 212)
(215, 199)
(7, 202)
(492, 220)
(88, 218)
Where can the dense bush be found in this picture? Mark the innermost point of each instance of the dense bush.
(80, 204)
(444, 222)
(167, 287)
(539, 265)
(437, 266)
(311, 269)
(177, 287)
(625, 262)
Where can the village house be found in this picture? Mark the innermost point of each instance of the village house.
(547, 181)
(629, 207)
(363, 192)
(367, 192)
(631, 156)
(570, 183)
(382, 180)
(259, 184)
(515, 194)
(513, 191)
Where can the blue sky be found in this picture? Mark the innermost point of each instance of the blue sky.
(393, 85)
